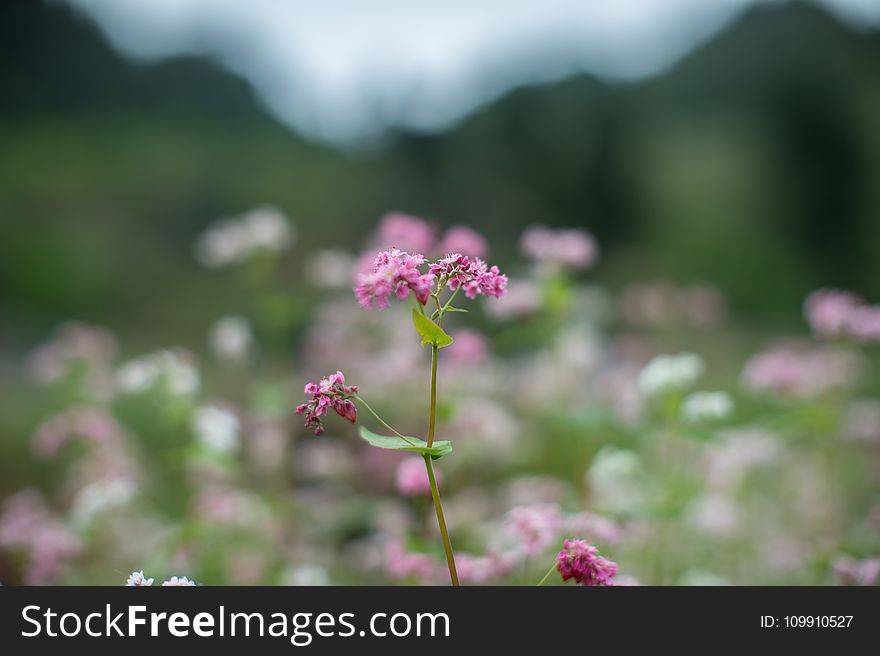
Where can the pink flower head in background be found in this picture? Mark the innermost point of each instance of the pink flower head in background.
(864, 323)
(469, 348)
(828, 311)
(473, 275)
(535, 526)
(579, 560)
(402, 564)
(406, 232)
(801, 371)
(90, 425)
(329, 392)
(411, 478)
(573, 248)
(461, 239)
(395, 273)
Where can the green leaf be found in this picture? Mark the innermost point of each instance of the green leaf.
(430, 332)
(437, 450)
(454, 309)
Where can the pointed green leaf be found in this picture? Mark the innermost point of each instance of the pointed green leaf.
(455, 309)
(437, 450)
(430, 332)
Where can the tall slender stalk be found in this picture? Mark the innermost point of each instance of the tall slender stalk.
(435, 492)
(444, 534)
(432, 419)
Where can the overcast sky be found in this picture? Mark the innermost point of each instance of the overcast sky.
(343, 70)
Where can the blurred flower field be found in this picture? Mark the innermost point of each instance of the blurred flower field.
(647, 425)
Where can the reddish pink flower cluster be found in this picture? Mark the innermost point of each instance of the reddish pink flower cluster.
(330, 392)
(837, 313)
(397, 273)
(394, 272)
(581, 561)
(474, 276)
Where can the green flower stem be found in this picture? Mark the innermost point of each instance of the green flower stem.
(441, 521)
(382, 421)
(433, 417)
(547, 575)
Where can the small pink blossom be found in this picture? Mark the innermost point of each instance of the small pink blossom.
(406, 232)
(91, 425)
(461, 239)
(829, 311)
(579, 560)
(535, 526)
(469, 348)
(401, 564)
(801, 371)
(864, 323)
(394, 273)
(411, 478)
(329, 393)
(850, 571)
(573, 248)
(481, 570)
(474, 276)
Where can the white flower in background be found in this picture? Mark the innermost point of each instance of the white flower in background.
(175, 581)
(305, 575)
(173, 368)
(701, 578)
(714, 514)
(231, 338)
(137, 579)
(267, 229)
(670, 372)
(614, 477)
(217, 428)
(707, 406)
(233, 240)
(100, 497)
(331, 267)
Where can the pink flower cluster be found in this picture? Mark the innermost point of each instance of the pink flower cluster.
(411, 478)
(397, 273)
(572, 248)
(836, 313)
(27, 525)
(579, 560)
(801, 371)
(410, 233)
(394, 272)
(330, 392)
(474, 276)
(90, 425)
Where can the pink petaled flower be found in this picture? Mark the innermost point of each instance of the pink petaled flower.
(573, 248)
(829, 311)
(535, 526)
(461, 239)
(411, 478)
(579, 560)
(480, 570)
(406, 232)
(473, 275)
(330, 392)
(402, 564)
(864, 323)
(394, 272)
